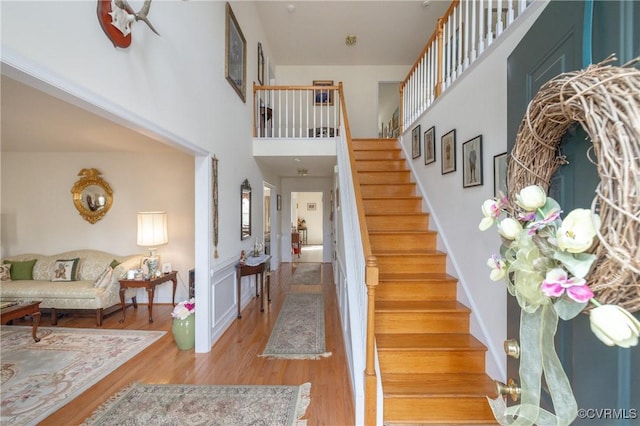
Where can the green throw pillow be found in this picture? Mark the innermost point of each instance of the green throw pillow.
(21, 270)
(114, 264)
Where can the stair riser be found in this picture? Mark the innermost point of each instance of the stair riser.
(416, 291)
(373, 165)
(383, 190)
(395, 154)
(438, 410)
(384, 177)
(425, 241)
(432, 361)
(421, 322)
(397, 223)
(390, 206)
(382, 145)
(411, 264)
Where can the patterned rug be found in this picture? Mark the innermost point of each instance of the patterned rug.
(143, 404)
(39, 378)
(307, 273)
(299, 329)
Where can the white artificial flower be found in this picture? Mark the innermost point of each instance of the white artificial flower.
(531, 198)
(577, 231)
(509, 228)
(614, 326)
(498, 268)
(491, 209)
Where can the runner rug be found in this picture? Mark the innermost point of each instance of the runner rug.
(307, 277)
(147, 404)
(299, 329)
(38, 378)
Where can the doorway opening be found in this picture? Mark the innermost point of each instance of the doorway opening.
(307, 227)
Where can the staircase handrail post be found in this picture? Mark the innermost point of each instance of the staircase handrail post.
(371, 399)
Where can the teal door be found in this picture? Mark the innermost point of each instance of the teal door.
(567, 36)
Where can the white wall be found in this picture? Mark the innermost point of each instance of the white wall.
(360, 84)
(313, 218)
(455, 210)
(39, 216)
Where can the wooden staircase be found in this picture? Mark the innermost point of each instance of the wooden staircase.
(432, 369)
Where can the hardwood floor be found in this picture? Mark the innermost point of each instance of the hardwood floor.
(233, 360)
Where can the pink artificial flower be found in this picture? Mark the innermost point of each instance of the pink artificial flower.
(557, 282)
(550, 217)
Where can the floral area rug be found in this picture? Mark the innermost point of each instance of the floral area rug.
(299, 329)
(148, 404)
(38, 378)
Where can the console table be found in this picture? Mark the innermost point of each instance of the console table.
(253, 266)
(150, 286)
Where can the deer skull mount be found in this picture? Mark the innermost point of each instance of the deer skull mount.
(116, 16)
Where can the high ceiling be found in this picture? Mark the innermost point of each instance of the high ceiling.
(298, 33)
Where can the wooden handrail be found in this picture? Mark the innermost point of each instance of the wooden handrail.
(371, 281)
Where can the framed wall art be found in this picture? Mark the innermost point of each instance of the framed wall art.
(500, 174)
(415, 142)
(278, 202)
(430, 146)
(311, 207)
(260, 64)
(235, 55)
(472, 162)
(323, 97)
(448, 152)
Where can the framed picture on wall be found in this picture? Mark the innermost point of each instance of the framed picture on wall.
(278, 202)
(472, 162)
(430, 146)
(311, 207)
(448, 152)
(235, 55)
(260, 64)
(415, 142)
(500, 174)
(323, 97)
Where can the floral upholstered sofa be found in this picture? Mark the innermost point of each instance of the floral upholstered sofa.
(72, 281)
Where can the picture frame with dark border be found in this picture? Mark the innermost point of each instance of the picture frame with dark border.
(260, 64)
(472, 169)
(235, 64)
(448, 152)
(323, 97)
(429, 140)
(415, 142)
(500, 174)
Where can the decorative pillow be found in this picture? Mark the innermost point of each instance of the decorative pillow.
(104, 279)
(5, 272)
(114, 264)
(22, 270)
(65, 269)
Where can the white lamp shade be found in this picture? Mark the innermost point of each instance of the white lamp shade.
(152, 229)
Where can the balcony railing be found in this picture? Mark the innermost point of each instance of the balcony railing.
(296, 111)
(463, 34)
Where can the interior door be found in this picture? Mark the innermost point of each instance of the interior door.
(601, 377)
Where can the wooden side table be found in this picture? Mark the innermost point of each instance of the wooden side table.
(22, 310)
(243, 270)
(150, 286)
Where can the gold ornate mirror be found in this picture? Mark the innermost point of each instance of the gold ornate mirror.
(92, 196)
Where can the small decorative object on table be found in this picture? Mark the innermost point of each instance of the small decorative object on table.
(184, 324)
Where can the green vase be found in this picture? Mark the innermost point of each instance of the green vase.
(184, 332)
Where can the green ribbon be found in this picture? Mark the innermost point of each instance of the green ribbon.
(538, 356)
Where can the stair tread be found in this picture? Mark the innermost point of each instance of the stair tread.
(409, 252)
(415, 276)
(420, 306)
(398, 232)
(435, 341)
(437, 385)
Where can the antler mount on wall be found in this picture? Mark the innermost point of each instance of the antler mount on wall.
(116, 16)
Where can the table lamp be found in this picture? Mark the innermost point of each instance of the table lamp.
(152, 232)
